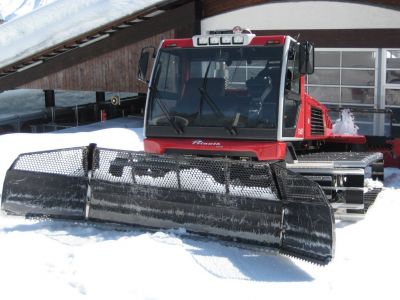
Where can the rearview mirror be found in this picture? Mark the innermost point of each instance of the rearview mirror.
(144, 62)
(306, 59)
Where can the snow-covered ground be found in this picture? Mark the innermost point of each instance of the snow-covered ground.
(47, 259)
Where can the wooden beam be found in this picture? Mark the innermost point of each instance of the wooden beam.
(180, 16)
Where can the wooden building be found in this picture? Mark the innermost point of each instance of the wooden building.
(108, 64)
(358, 47)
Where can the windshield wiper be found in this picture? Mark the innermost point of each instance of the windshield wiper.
(165, 111)
(232, 130)
(164, 108)
(204, 96)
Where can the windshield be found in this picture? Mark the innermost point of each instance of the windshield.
(216, 87)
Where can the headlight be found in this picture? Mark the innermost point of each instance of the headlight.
(203, 41)
(226, 40)
(238, 39)
(214, 40)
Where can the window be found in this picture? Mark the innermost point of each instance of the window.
(393, 67)
(293, 73)
(391, 85)
(393, 97)
(168, 81)
(344, 77)
(238, 72)
(216, 87)
(349, 77)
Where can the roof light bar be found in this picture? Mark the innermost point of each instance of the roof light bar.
(222, 40)
(236, 36)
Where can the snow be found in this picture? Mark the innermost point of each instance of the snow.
(345, 125)
(48, 259)
(60, 21)
(10, 9)
(114, 134)
(371, 184)
(191, 179)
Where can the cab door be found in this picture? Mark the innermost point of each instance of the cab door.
(292, 93)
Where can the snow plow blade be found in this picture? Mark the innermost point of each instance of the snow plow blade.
(255, 203)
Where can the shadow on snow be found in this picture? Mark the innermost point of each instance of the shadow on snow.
(247, 264)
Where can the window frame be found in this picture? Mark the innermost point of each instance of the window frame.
(294, 93)
(388, 86)
(385, 85)
(286, 134)
(340, 102)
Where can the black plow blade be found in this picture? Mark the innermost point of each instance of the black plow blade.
(249, 202)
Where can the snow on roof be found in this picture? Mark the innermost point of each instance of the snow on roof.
(60, 21)
(11, 9)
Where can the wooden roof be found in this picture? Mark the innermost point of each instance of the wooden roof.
(137, 21)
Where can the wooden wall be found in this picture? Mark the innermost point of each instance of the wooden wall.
(108, 67)
(114, 71)
(109, 64)
(343, 38)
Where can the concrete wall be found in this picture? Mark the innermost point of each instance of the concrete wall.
(306, 15)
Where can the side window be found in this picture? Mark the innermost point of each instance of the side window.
(292, 88)
(292, 73)
(169, 81)
(167, 78)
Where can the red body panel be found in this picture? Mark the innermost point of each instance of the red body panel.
(183, 43)
(391, 157)
(268, 40)
(300, 126)
(303, 127)
(395, 147)
(256, 41)
(310, 102)
(262, 150)
(328, 136)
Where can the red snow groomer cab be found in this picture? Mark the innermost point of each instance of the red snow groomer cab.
(230, 95)
(234, 148)
(242, 96)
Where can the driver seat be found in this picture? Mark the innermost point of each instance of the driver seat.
(189, 105)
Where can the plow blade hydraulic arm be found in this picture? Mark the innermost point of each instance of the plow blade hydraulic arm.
(254, 203)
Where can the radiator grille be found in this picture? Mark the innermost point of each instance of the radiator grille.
(317, 121)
